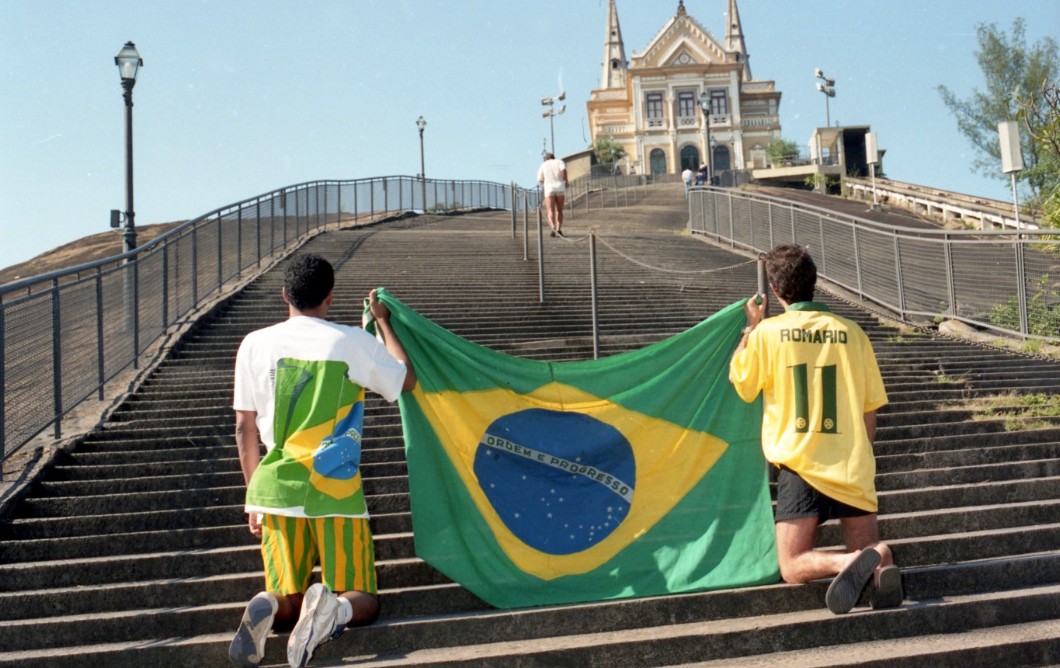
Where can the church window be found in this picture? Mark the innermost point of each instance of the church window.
(655, 105)
(686, 104)
(719, 103)
(655, 110)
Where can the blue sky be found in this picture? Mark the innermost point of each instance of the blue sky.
(238, 97)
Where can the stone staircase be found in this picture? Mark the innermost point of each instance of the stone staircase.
(131, 550)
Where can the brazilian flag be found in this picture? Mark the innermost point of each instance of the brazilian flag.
(538, 483)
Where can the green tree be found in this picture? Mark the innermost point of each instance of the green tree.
(608, 151)
(779, 149)
(1012, 71)
(1041, 114)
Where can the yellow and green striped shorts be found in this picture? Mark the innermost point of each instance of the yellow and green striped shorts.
(291, 547)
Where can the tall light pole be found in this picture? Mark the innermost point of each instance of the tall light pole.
(704, 105)
(129, 62)
(421, 123)
(827, 87)
(551, 113)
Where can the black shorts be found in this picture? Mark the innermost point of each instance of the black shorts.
(797, 499)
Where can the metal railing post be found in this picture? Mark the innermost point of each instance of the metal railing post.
(595, 299)
(898, 274)
(135, 268)
(220, 254)
(257, 229)
(514, 207)
(951, 287)
(297, 211)
(769, 209)
(57, 359)
(239, 242)
(194, 267)
(165, 284)
(824, 254)
(526, 225)
(101, 368)
(272, 221)
(732, 222)
(540, 259)
(857, 263)
(1021, 287)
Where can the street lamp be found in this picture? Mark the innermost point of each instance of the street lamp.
(421, 123)
(704, 105)
(129, 62)
(827, 87)
(550, 113)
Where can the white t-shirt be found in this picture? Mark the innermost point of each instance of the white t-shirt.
(309, 339)
(550, 174)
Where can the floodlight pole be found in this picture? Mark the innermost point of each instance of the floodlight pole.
(551, 114)
(421, 123)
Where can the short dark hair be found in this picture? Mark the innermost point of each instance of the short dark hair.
(308, 280)
(792, 272)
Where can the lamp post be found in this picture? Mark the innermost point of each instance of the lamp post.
(551, 113)
(827, 87)
(129, 62)
(421, 123)
(704, 105)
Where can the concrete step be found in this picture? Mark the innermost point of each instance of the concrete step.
(767, 610)
(138, 522)
(189, 499)
(1029, 644)
(396, 573)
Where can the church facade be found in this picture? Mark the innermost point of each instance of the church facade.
(653, 105)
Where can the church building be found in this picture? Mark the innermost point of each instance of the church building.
(653, 105)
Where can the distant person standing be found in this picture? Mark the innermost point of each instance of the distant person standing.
(687, 177)
(300, 391)
(702, 175)
(821, 387)
(552, 175)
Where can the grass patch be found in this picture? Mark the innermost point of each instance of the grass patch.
(1020, 412)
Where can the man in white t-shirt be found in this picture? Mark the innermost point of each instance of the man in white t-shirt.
(552, 175)
(300, 391)
(687, 177)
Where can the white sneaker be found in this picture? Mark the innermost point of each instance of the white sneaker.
(248, 645)
(317, 624)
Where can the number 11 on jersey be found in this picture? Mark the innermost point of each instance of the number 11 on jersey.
(825, 383)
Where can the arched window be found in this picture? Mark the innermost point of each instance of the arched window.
(690, 158)
(658, 161)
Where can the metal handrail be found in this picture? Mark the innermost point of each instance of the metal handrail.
(994, 279)
(66, 333)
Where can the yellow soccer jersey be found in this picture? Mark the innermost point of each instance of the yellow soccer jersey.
(819, 376)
